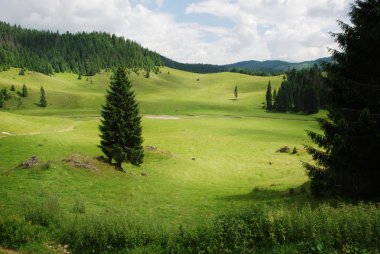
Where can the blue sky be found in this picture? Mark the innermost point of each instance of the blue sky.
(201, 31)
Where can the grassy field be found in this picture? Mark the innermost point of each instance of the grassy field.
(216, 154)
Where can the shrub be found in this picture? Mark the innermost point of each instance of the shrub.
(16, 232)
(303, 230)
(46, 213)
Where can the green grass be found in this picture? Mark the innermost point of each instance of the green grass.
(219, 155)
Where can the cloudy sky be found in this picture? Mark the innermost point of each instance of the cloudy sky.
(206, 31)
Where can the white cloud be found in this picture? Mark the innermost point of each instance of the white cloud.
(292, 30)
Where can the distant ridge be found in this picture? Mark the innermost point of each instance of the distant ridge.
(269, 66)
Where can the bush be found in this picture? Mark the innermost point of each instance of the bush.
(103, 234)
(46, 213)
(345, 229)
(16, 232)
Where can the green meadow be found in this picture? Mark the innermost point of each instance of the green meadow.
(209, 156)
(206, 155)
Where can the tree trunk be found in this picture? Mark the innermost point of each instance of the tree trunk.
(119, 167)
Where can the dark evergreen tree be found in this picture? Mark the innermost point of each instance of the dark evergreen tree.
(21, 72)
(300, 92)
(274, 99)
(348, 162)
(6, 95)
(24, 91)
(236, 92)
(269, 96)
(1, 100)
(120, 127)
(13, 88)
(43, 102)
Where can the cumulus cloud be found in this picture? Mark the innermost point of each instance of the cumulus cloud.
(292, 30)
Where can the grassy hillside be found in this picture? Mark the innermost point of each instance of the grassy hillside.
(213, 155)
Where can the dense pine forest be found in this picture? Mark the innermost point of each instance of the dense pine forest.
(300, 91)
(83, 53)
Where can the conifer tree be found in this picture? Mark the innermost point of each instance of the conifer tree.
(1, 100)
(24, 91)
(13, 88)
(269, 96)
(348, 162)
(274, 99)
(120, 127)
(43, 102)
(236, 92)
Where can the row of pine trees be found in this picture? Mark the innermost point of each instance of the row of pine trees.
(300, 91)
(83, 53)
(5, 95)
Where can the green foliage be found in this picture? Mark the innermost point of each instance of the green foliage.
(46, 212)
(1, 100)
(301, 92)
(24, 91)
(21, 72)
(43, 102)
(236, 92)
(103, 234)
(121, 124)
(79, 206)
(87, 53)
(268, 97)
(324, 229)
(347, 159)
(5, 94)
(13, 88)
(16, 232)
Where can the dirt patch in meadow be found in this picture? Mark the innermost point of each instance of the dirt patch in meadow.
(7, 251)
(80, 161)
(162, 117)
(156, 150)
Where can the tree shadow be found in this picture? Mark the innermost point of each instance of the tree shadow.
(271, 195)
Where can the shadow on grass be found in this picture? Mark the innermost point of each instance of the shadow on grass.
(270, 195)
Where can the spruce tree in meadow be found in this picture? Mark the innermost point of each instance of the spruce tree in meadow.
(43, 102)
(269, 96)
(13, 88)
(236, 92)
(24, 91)
(120, 127)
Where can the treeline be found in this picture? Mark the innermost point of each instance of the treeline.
(254, 72)
(197, 68)
(83, 53)
(211, 68)
(300, 91)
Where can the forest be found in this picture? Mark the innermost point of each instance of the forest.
(82, 53)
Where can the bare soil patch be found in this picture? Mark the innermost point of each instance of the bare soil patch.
(162, 117)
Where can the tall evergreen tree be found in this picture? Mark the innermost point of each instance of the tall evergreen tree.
(43, 102)
(269, 96)
(120, 127)
(236, 92)
(24, 91)
(348, 162)
(274, 99)
(1, 100)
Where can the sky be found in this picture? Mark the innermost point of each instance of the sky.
(196, 31)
